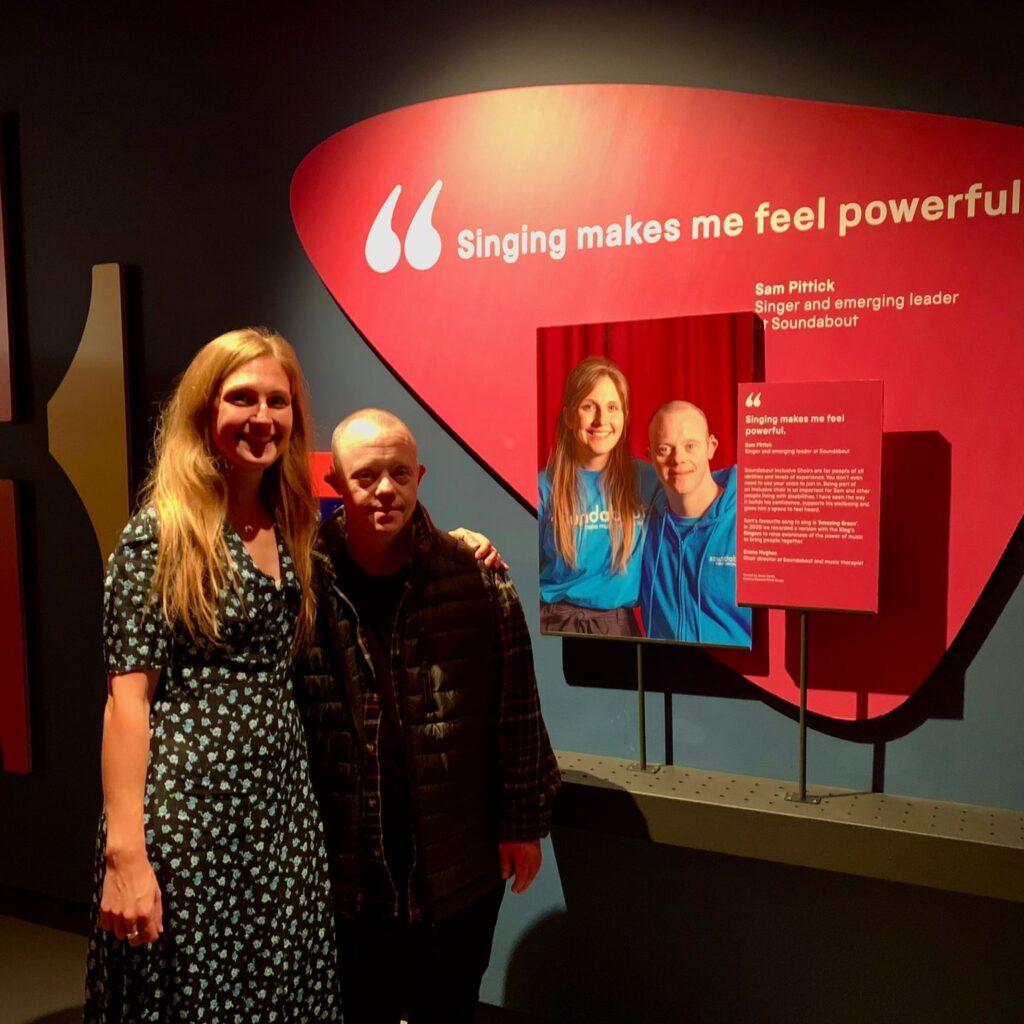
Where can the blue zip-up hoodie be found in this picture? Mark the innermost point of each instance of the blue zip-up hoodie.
(688, 577)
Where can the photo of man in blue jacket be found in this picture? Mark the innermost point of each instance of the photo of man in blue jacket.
(688, 575)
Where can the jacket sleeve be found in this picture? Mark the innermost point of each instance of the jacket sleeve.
(316, 686)
(527, 767)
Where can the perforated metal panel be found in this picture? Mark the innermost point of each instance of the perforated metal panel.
(959, 847)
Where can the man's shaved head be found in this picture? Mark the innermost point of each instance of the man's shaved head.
(377, 473)
(681, 449)
(679, 407)
(368, 425)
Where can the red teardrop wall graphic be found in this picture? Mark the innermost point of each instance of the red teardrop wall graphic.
(506, 211)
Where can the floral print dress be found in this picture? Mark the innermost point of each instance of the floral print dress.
(232, 828)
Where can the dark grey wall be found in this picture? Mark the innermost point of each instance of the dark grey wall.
(164, 136)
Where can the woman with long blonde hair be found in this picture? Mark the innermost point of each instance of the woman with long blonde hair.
(592, 497)
(212, 887)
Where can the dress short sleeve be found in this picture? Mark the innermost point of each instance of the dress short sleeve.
(136, 635)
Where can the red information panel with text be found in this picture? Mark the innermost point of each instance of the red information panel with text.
(810, 467)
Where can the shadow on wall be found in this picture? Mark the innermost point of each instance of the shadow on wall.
(880, 653)
(655, 934)
(894, 651)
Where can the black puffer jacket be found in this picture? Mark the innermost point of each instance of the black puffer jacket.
(446, 675)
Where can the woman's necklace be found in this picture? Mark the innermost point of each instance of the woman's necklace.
(250, 524)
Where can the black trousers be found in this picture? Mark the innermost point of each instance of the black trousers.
(427, 974)
(563, 617)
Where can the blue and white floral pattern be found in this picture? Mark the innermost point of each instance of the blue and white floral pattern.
(232, 827)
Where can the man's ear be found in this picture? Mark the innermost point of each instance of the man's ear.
(712, 446)
(331, 479)
(423, 470)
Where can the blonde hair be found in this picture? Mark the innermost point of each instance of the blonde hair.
(189, 493)
(618, 479)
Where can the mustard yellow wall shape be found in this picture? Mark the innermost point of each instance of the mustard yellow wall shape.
(88, 413)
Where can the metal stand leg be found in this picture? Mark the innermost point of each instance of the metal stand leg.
(642, 765)
(801, 796)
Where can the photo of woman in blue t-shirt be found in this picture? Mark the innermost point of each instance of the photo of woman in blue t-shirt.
(593, 494)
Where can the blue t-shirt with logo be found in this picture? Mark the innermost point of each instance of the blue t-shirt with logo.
(594, 581)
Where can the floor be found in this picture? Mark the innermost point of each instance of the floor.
(42, 975)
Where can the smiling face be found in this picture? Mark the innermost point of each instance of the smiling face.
(681, 452)
(251, 415)
(377, 474)
(597, 424)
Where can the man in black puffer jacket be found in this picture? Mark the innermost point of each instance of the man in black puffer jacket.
(429, 755)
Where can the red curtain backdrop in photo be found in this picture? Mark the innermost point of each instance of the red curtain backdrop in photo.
(697, 358)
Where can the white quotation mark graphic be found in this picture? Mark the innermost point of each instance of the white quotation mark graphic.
(753, 401)
(422, 242)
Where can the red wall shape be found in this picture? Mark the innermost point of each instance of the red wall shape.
(914, 222)
(6, 384)
(15, 749)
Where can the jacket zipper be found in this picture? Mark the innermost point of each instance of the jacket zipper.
(414, 801)
(368, 661)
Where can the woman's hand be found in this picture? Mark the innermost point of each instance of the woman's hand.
(486, 552)
(131, 905)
